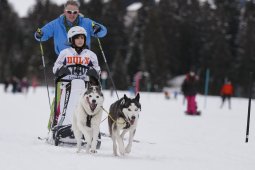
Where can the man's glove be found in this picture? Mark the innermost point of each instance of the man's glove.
(63, 71)
(39, 33)
(96, 28)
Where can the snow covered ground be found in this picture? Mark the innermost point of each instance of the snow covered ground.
(170, 140)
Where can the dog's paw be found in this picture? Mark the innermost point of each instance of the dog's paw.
(122, 152)
(78, 150)
(93, 151)
(127, 150)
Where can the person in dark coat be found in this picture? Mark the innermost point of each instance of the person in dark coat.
(15, 84)
(189, 89)
(6, 84)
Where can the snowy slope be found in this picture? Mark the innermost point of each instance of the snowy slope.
(213, 141)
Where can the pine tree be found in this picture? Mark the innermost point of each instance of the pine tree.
(10, 41)
(219, 40)
(94, 10)
(176, 38)
(244, 64)
(39, 15)
(115, 42)
(137, 55)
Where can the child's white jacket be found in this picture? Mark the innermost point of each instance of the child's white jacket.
(70, 57)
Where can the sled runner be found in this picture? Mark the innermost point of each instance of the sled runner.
(71, 83)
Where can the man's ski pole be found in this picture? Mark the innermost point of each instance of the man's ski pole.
(107, 66)
(44, 71)
(249, 108)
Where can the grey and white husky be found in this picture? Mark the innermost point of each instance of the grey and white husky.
(123, 117)
(87, 117)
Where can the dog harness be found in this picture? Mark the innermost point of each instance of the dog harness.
(88, 122)
(122, 115)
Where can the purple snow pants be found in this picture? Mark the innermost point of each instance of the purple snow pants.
(191, 106)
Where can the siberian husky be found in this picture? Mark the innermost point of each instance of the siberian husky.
(123, 117)
(87, 117)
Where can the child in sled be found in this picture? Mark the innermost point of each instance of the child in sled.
(75, 62)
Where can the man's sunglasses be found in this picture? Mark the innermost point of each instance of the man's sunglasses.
(72, 12)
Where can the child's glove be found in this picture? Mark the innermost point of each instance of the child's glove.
(63, 71)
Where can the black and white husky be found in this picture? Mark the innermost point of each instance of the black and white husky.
(87, 117)
(123, 117)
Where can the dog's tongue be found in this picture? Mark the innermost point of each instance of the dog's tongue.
(132, 121)
(93, 106)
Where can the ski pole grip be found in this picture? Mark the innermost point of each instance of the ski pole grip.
(39, 33)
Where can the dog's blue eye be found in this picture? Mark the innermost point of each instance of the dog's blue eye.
(136, 109)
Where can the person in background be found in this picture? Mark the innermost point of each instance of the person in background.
(190, 89)
(34, 83)
(59, 27)
(166, 93)
(15, 84)
(6, 84)
(175, 94)
(24, 84)
(226, 92)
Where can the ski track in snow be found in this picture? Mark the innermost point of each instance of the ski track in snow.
(213, 141)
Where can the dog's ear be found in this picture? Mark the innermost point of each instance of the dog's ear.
(89, 85)
(137, 97)
(124, 99)
(86, 92)
(122, 102)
